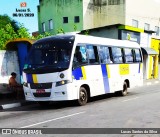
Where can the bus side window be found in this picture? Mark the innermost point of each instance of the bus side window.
(117, 55)
(128, 55)
(104, 55)
(92, 54)
(80, 56)
(138, 55)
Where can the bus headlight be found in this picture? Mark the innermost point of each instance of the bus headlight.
(25, 84)
(63, 82)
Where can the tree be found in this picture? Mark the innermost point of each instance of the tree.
(8, 33)
(10, 30)
(5, 19)
(22, 32)
(42, 36)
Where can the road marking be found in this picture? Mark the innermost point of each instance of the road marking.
(130, 99)
(52, 120)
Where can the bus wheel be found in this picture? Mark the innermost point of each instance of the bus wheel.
(83, 96)
(43, 103)
(124, 91)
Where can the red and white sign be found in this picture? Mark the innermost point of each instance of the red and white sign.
(23, 4)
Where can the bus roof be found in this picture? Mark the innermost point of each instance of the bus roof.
(56, 37)
(91, 40)
(105, 41)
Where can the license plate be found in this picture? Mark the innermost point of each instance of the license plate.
(40, 91)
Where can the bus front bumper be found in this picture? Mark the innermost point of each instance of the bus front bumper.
(61, 93)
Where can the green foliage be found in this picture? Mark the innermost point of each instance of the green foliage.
(86, 32)
(7, 33)
(10, 32)
(75, 27)
(22, 32)
(60, 31)
(5, 19)
(46, 34)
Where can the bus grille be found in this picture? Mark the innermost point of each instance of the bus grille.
(41, 85)
(42, 94)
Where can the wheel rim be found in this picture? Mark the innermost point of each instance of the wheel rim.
(82, 96)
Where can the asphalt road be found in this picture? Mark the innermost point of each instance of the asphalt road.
(139, 109)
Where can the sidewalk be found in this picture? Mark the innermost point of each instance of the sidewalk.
(150, 82)
(6, 103)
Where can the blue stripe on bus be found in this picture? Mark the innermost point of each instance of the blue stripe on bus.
(139, 68)
(77, 73)
(105, 78)
(29, 78)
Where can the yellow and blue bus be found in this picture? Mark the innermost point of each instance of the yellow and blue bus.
(77, 67)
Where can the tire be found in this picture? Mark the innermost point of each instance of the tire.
(125, 90)
(43, 103)
(83, 96)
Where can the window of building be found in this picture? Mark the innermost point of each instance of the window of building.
(43, 27)
(104, 54)
(50, 24)
(76, 19)
(157, 30)
(146, 26)
(135, 23)
(117, 55)
(128, 55)
(113, 2)
(65, 19)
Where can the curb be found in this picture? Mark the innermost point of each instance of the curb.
(150, 83)
(14, 105)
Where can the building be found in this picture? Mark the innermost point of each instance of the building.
(136, 20)
(60, 15)
(71, 15)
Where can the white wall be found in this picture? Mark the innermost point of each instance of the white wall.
(8, 63)
(98, 13)
(145, 11)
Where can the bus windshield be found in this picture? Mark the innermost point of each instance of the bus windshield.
(47, 57)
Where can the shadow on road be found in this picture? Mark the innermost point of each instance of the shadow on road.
(33, 106)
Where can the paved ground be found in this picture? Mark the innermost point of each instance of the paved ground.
(139, 109)
(6, 103)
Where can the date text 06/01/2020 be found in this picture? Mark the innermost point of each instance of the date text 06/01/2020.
(23, 14)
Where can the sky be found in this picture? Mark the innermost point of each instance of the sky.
(9, 7)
